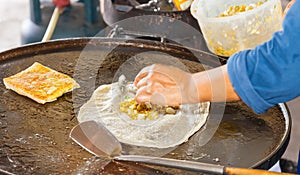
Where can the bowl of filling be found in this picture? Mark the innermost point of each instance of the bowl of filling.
(229, 26)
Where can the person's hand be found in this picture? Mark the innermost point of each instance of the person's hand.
(164, 85)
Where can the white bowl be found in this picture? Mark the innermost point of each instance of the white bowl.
(225, 36)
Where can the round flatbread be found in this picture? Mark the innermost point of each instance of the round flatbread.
(167, 131)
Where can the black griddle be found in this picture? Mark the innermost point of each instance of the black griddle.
(35, 137)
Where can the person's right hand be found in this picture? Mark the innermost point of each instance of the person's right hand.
(164, 85)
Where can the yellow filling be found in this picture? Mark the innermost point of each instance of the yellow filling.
(217, 48)
(144, 111)
(236, 9)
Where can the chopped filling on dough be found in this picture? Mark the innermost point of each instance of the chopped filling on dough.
(164, 132)
(144, 111)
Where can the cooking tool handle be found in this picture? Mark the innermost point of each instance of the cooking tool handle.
(245, 171)
(173, 163)
(194, 166)
(118, 31)
(52, 24)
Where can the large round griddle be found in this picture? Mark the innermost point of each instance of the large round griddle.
(35, 137)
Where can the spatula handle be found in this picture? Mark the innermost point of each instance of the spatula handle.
(195, 166)
(245, 171)
(174, 163)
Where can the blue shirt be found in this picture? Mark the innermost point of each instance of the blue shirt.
(270, 73)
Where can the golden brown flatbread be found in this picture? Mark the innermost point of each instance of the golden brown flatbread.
(40, 83)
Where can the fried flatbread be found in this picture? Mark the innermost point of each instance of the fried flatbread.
(40, 83)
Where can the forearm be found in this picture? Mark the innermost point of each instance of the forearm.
(213, 85)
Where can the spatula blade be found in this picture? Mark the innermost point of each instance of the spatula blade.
(96, 139)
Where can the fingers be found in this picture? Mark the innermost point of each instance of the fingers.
(157, 98)
(142, 95)
(154, 80)
(154, 72)
(160, 84)
(143, 73)
(156, 93)
(139, 77)
(145, 93)
(150, 88)
(143, 81)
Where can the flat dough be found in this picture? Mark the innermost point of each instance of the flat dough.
(167, 131)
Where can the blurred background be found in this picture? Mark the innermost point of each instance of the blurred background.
(14, 12)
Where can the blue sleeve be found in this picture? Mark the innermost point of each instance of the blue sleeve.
(270, 73)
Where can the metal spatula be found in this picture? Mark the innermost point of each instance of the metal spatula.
(98, 140)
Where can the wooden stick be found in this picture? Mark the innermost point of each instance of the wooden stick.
(245, 171)
(52, 24)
